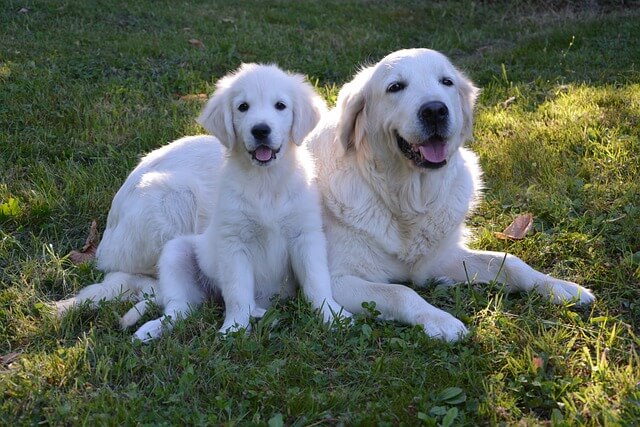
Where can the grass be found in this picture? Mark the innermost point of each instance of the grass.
(86, 88)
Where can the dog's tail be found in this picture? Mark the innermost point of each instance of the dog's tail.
(115, 284)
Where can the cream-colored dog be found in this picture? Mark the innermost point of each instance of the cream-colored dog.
(265, 234)
(397, 185)
(240, 206)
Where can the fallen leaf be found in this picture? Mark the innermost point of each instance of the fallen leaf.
(88, 251)
(197, 43)
(519, 228)
(6, 359)
(538, 363)
(228, 20)
(194, 97)
(508, 102)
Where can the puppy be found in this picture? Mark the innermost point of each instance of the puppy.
(265, 231)
(397, 185)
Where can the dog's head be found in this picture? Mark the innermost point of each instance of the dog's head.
(415, 100)
(259, 109)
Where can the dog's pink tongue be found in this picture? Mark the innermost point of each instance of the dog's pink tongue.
(263, 153)
(435, 151)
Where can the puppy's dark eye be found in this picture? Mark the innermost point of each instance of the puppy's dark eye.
(396, 87)
(243, 107)
(446, 81)
(280, 106)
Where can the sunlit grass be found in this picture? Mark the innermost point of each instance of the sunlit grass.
(86, 89)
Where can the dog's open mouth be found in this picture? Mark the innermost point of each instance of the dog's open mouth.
(431, 154)
(264, 154)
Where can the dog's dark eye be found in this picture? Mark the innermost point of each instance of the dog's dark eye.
(280, 106)
(396, 87)
(243, 107)
(446, 81)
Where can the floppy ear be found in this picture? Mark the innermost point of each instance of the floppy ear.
(308, 107)
(468, 94)
(350, 104)
(216, 117)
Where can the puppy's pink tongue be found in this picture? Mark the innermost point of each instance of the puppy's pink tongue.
(435, 151)
(263, 153)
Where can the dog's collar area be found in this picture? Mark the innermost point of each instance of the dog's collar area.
(414, 152)
(264, 154)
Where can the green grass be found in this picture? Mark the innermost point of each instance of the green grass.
(87, 87)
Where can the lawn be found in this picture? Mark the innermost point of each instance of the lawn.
(86, 88)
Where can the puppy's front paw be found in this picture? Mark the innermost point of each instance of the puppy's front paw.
(561, 291)
(331, 311)
(443, 326)
(234, 324)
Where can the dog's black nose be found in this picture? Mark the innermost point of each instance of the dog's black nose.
(433, 112)
(260, 131)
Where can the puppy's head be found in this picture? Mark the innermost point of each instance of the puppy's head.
(260, 109)
(414, 101)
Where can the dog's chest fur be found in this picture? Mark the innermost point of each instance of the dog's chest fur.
(262, 228)
(408, 218)
(254, 216)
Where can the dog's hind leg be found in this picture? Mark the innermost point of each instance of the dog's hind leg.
(178, 289)
(115, 284)
(134, 314)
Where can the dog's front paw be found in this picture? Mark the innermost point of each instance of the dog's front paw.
(561, 291)
(234, 324)
(332, 311)
(443, 326)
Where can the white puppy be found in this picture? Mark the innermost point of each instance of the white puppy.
(265, 231)
(397, 185)
(173, 190)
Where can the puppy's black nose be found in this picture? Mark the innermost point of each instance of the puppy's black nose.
(260, 131)
(433, 112)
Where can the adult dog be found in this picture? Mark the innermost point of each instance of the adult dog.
(265, 233)
(397, 185)
(172, 191)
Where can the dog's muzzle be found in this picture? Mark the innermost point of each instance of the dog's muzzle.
(264, 154)
(431, 154)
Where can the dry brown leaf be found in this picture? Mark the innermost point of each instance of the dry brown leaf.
(6, 359)
(538, 363)
(508, 102)
(194, 97)
(197, 43)
(518, 229)
(88, 251)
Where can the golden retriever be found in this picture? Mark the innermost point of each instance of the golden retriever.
(397, 185)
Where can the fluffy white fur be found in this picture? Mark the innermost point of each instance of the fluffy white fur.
(262, 219)
(390, 218)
